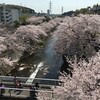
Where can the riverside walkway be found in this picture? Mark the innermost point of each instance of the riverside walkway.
(33, 75)
(45, 87)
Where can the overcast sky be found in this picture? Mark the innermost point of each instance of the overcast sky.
(43, 5)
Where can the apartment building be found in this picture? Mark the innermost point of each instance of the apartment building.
(8, 15)
(11, 13)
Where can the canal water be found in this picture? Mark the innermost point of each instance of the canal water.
(51, 62)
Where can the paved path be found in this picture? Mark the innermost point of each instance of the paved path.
(33, 75)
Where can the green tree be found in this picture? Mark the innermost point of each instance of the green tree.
(23, 20)
(16, 23)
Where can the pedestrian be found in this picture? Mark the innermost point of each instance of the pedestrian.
(32, 91)
(1, 84)
(17, 83)
(20, 84)
(30, 87)
(2, 88)
(37, 85)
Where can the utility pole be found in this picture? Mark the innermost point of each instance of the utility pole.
(62, 10)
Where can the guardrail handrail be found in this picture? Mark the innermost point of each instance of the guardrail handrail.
(46, 79)
(6, 88)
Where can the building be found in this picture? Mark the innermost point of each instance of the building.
(48, 12)
(96, 9)
(69, 13)
(11, 13)
(7, 15)
(15, 14)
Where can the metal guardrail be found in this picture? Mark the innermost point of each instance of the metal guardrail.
(25, 96)
(12, 77)
(7, 80)
(21, 89)
(53, 82)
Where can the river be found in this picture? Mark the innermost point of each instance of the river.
(52, 62)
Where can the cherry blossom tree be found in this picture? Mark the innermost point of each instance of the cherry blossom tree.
(36, 20)
(85, 83)
(50, 27)
(78, 36)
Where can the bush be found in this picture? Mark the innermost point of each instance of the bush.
(23, 20)
(16, 24)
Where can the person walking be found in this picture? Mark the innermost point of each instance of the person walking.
(37, 85)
